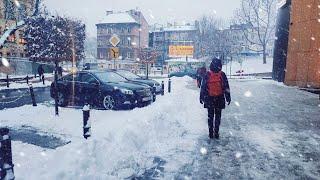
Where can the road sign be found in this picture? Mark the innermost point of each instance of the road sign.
(114, 52)
(114, 40)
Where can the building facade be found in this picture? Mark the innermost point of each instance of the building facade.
(303, 59)
(168, 40)
(130, 27)
(12, 14)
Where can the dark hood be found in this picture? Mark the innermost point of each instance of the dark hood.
(216, 65)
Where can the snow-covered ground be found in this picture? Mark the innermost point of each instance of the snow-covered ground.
(250, 65)
(123, 143)
(14, 85)
(269, 132)
(21, 85)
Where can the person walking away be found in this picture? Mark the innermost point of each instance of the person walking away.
(201, 72)
(214, 94)
(60, 71)
(40, 71)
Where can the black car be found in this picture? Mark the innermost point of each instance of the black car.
(138, 79)
(104, 89)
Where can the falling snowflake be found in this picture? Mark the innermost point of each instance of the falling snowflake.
(248, 94)
(16, 2)
(313, 38)
(237, 103)
(3, 96)
(319, 20)
(231, 133)
(238, 155)
(22, 154)
(18, 165)
(5, 62)
(282, 154)
(203, 151)
(43, 154)
(294, 40)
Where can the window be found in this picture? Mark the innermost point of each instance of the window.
(88, 78)
(128, 54)
(71, 77)
(109, 30)
(129, 30)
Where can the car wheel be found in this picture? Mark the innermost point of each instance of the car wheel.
(62, 99)
(109, 103)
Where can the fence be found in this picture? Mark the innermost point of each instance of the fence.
(22, 67)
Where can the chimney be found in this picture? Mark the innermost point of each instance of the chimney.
(109, 12)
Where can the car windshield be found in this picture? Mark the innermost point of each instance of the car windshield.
(128, 74)
(109, 77)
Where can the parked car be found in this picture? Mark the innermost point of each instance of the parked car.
(188, 72)
(104, 89)
(138, 79)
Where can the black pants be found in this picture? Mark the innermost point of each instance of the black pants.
(214, 119)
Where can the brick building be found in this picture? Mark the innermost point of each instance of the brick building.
(162, 38)
(12, 14)
(132, 29)
(303, 59)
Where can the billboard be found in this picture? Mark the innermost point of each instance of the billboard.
(181, 51)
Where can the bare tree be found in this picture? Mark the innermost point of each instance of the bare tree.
(209, 35)
(261, 15)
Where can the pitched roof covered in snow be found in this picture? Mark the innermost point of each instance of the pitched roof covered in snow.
(118, 18)
(175, 28)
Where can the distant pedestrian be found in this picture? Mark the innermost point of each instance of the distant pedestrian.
(214, 94)
(60, 71)
(40, 71)
(201, 72)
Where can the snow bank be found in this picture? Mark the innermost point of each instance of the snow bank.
(250, 65)
(123, 143)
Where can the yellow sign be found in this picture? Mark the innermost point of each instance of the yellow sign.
(114, 52)
(181, 51)
(114, 40)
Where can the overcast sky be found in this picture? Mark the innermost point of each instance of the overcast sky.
(155, 11)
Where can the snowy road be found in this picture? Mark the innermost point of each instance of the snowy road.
(269, 132)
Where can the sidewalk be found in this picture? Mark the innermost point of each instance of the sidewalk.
(270, 131)
(21, 82)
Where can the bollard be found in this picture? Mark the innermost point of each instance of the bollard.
(6, 165)
(162, 88)
(86, 121)
(32, 95)
(169, 86)
(27, 79)
(7, 81)
(154, 89)
(43, 79)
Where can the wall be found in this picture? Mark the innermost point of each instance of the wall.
(303, 61)
(281, 43)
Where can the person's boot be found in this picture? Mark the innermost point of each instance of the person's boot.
(216, 135)
(211, 133)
